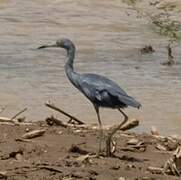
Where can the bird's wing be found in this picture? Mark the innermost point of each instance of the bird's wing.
(105, 90)
(100, 83)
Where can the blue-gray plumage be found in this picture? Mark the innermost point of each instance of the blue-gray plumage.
(101, 91)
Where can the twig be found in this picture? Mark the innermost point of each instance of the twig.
(23, 140)
(50, 168)
(173, 164)
(52, 106)
(20, 112)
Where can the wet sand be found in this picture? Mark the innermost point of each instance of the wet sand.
(69, 154)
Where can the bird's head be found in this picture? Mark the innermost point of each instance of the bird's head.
(62, 43)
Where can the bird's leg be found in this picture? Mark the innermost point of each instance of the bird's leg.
(100, 129)
(110, 135)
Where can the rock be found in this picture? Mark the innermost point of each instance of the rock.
(116, 167)
(19, 157)
(121, 178)
(76, 149)
(60, 132)
(147, 49)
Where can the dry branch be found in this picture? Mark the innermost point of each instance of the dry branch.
(173, 164)
(52, 106)
(50, 168)
(6, 120)
(130, 124)
(20, 112)
(23, 140)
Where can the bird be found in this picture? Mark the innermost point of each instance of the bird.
(101, 91)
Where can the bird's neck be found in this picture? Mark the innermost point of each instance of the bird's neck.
(69, 69)
(70, 55)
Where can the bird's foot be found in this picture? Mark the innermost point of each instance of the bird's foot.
(110, 147)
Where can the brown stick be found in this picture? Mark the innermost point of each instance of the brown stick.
(52, 106)
(23, 140)
(130, 124)
(50, 168)
(20, 112)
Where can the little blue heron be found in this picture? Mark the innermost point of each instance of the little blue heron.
(101, 91)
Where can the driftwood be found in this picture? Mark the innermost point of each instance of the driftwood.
(6, 120)
(52, 106)
(50, 168)
(33, 134)
(155, 170)
(173, 165)
(20, 112)
(161, 147)
(130, 124)
(11, 121)
(139, 147)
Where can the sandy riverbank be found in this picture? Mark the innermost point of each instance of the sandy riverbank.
(68, 153)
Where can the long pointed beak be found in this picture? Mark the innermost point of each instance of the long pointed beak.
(47, 46)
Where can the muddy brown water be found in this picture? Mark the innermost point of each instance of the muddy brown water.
(108, 36)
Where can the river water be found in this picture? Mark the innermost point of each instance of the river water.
(108, 37)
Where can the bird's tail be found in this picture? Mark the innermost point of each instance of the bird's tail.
(129, 101)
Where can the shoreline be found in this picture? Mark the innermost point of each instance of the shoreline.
(70, 153)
